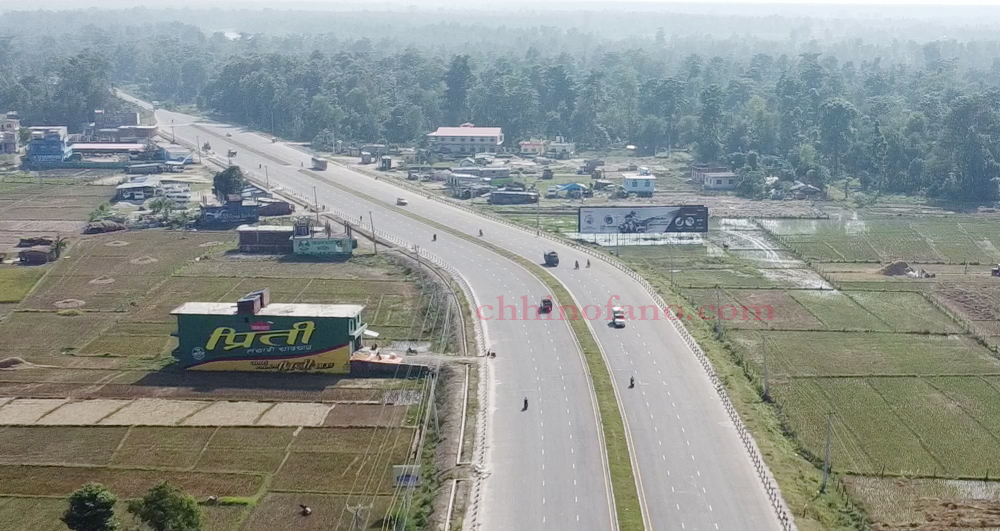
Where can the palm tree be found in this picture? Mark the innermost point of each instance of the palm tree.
(59, 245)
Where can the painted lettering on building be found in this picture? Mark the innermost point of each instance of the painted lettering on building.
(261, 339)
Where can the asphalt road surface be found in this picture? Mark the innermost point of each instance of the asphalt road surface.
(694, 473)
(546, 466)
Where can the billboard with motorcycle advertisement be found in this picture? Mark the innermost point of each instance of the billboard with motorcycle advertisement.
(642, 219)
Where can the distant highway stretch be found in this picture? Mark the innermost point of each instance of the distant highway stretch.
(694, 472)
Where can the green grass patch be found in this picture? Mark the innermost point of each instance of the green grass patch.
(907, 312)
(794, 353)
(16, 282)
(837, 311)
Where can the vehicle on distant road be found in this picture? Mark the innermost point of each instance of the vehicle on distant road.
(551, 259)
(319, 163)
(232, 153)
(401, 201)
(618, 317)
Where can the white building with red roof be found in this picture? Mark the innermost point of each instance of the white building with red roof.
(466, 138)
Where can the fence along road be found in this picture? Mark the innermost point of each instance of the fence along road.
(542, 468)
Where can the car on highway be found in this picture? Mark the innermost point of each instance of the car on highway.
(546, 305)
(401, 201)
(618, 317)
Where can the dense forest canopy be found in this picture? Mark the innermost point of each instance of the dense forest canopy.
(896, 104)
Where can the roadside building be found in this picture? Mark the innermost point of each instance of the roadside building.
(80, 151)
(135, 133)
(255, 335)
(560, 149)
(268, 206)
(322, 241)
(175, 153)
(10, 127)
(235, 210)
(634, 183)
(458, 180)
(139, 189)
(493, 171)
(268, 239)
(48, 144)
(512, 197)
(466, 138)
(725, 180)
(532, 147)
(800, 190)
(114, 119)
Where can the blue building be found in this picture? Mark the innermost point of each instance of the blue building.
(48, 144)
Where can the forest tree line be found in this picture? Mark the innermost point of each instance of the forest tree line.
(927, 124)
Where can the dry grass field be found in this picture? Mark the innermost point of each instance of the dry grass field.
(91, 396)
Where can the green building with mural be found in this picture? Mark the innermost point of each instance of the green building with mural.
(254, 335)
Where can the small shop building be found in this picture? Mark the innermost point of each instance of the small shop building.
(254, 335)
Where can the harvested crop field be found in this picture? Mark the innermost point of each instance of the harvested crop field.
(62, 481)
(128, 423)
(365, 415)
(229, 414)
(927, 504)
(329, 512)
(162, 447)
(59, 445)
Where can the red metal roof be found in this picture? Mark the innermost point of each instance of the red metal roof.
(466, 131)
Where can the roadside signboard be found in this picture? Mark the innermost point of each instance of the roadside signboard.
(642, 219)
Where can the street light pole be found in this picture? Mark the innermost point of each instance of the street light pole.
(173, 139)
(197, 141)
(374, 238)
(267, 180)
(316, 204)
(826, 462)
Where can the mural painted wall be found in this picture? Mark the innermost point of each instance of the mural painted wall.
(266, 343)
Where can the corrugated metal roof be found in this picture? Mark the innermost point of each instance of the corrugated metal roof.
(108, 147)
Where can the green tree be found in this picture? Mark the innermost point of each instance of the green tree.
(167, 508)
(91, 508)
(324, 141)
(751, 183)
(161, 206)
(710, 124)
(458, 80)
(836, 118)
(229, 181)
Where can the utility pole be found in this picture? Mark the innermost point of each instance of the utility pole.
(197, 140)
(671, 266)
(718, 308)
(374, 238)
(826, 462)
(316, 204)
(267, 179)
(357, 518)
(767, 390)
